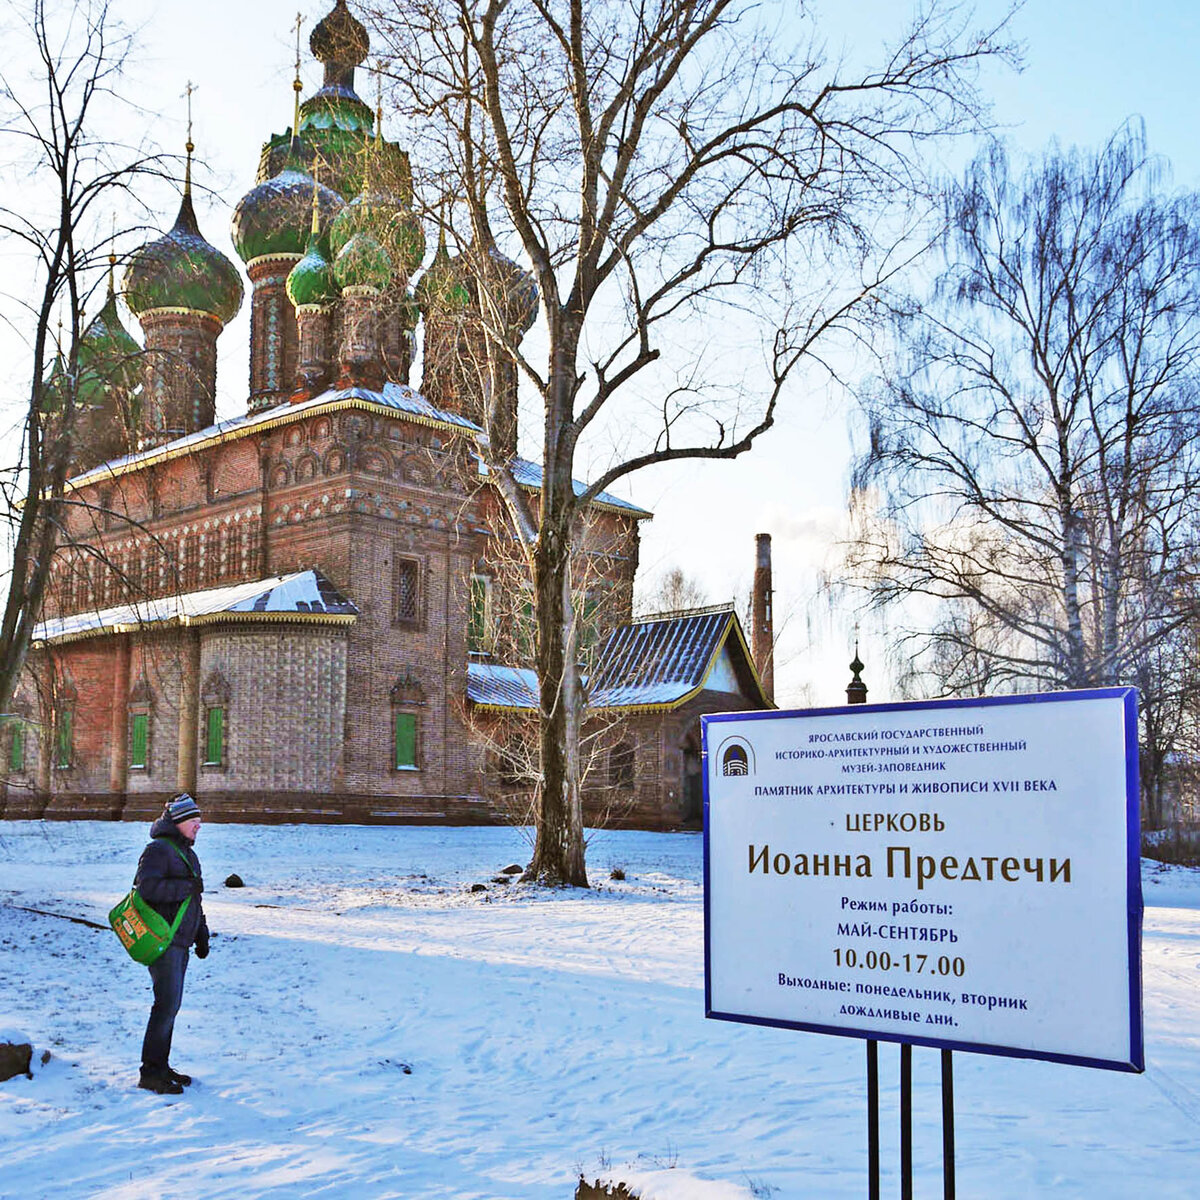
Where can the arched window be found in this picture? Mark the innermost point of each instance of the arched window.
(141, 704)
(214, 732)
(407, 697)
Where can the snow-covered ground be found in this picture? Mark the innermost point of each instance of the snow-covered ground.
(366, 1026)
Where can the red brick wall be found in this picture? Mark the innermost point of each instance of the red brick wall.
(310, 723)
(181, 372)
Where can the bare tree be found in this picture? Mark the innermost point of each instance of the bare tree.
(674, 590)
(1031, 486)
(704, 210)
(56, 95)
(503, 630)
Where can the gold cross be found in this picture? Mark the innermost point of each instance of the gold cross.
(299, 23)
(187, 92)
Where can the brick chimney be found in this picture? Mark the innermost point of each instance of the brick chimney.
(762, 632)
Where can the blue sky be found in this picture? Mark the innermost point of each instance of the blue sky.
(1092, 65)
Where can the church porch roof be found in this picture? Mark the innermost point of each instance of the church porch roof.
(490, 685)
(304, 596)
(663, 661)
(657, 664)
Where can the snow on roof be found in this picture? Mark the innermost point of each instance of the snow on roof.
(395, 396)
(400, 396)
(657, 663)
(660, 661)
(302, 596)
(530, 474)
(494, 686)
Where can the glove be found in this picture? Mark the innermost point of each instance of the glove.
(202, 945)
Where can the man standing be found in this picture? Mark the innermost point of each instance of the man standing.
(168, 874)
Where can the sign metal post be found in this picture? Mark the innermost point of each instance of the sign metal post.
(906, 1166)
(947, 1125)
(872, 1119)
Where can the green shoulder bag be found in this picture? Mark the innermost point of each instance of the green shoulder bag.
(143, 932)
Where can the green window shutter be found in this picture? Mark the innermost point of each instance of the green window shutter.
(139, 731)
(214, 744)
(588, 633)
(406, 740)
(526, 631)
(62, 749)
(16, 754)
(477, 626)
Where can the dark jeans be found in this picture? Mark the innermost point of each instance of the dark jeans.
(167, 975)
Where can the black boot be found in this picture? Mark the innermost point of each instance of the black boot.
(179, 1077)
(160, 1082)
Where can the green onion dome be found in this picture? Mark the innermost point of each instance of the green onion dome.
(55, 385)
(182, 270)
(444, 285)
(363, 263)
(311, 279)
(109, 358)
(335, 126)
(337, 108)
(518, 294)
(274, 216)
(340, 42)
(377, 212)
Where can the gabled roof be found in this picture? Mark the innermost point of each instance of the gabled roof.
(662, 662)
(657, 664)
(306, 596)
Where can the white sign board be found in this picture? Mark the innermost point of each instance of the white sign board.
(962, 874)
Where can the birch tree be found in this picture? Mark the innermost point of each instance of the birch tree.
(672, 171)
(1031, 487)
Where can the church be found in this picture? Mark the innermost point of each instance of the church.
(313, 611)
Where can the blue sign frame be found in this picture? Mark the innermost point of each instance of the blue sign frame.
(710, 727)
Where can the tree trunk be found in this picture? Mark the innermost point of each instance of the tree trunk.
(1153, 764)
(558, 854)
(36, 541)
(1076, 665)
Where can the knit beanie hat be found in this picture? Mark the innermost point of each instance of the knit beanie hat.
(182, 808)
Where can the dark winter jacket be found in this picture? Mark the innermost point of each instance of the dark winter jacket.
(164, 881)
